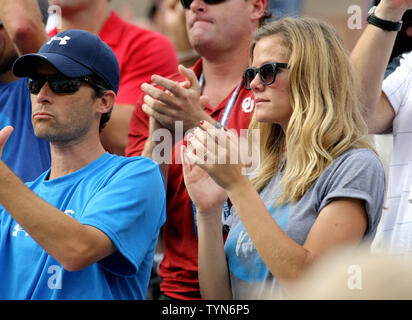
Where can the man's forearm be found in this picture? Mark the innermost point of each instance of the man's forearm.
(61, 236)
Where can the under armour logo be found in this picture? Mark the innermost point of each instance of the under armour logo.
(17, 229)
(63, 40)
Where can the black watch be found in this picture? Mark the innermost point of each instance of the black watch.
(383, 24)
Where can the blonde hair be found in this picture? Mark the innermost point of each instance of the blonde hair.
(327, 115)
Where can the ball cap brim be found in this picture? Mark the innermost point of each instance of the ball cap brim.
(26, 65)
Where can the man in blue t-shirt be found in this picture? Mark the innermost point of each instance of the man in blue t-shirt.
(86, 228)
(21, 31)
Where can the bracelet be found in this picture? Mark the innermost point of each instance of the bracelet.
(383, 24)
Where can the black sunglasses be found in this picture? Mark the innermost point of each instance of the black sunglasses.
(59, 83)
(186, 3)
(267, 73)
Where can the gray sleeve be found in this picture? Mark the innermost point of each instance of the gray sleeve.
(360, 175)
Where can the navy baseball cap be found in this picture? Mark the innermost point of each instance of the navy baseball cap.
(74, 53)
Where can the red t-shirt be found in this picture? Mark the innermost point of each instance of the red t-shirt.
(140, 52)
(179, 268)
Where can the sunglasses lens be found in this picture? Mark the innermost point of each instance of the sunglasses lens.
(186, 3)
(267, 73)
(64, 85)
(35, 85)
(58, 84)
(249, 76)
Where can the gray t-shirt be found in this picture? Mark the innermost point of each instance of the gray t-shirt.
(358, 173)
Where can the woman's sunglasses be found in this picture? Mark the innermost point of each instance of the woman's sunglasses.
(186, 3)
(58, 83)
(267, 73)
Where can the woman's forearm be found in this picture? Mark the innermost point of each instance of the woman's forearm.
(213, 270)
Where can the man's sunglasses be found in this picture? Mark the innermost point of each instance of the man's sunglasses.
(186, 3)
(59, 83)
(267, 73)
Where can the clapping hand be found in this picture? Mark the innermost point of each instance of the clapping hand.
(177, 102)
(217, 152)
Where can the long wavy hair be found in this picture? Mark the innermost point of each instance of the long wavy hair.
(327, 117)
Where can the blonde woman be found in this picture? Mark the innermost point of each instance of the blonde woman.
(319, 184)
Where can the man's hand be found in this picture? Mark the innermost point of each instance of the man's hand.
(4, 136)
(178, 102)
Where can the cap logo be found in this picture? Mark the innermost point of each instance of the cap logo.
(63, 41)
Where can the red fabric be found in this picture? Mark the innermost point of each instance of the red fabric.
(53, 32)
(140, 52)
(179, 266)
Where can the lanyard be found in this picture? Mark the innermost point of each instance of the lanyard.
(229, 105)
(223, 121)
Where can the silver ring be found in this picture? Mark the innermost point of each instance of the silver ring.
(218, 125)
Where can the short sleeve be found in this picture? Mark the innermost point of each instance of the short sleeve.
(358, 175)
(129, 209)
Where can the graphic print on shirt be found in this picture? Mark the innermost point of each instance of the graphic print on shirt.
(246, 263)
(248, 104)
(17, 228)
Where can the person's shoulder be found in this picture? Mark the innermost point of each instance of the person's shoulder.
(358, 154)
(142, 165)
(19, 84)
(407, 56)
(130, 168)
(131, 161)
(359, 158)
(138, 33)
(404, 60)
(39, 180)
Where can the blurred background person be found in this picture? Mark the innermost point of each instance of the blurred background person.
(168, 17)
(22, 31)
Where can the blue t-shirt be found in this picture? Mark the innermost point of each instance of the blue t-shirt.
(25, 154)
(124, 198)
